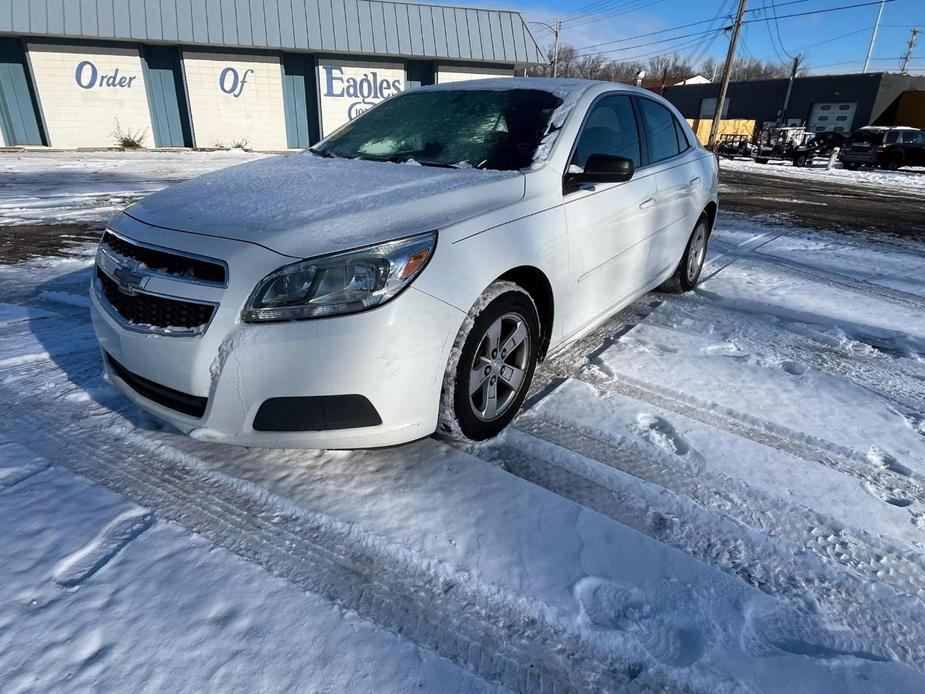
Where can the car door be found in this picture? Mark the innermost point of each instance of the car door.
(914, 146)
(678, 181)
(610, 224)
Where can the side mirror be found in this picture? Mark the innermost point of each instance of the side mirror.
(600, 168)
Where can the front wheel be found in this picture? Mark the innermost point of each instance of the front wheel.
(491, 364)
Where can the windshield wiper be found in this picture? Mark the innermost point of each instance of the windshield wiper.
(438, 164)
(322, 153)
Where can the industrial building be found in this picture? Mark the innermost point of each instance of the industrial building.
(267, 74)
(837, 103)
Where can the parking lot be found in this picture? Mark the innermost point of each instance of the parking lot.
(720, 491)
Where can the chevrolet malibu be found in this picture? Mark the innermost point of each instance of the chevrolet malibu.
(406, 274)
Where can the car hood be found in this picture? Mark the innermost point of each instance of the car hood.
(303, 205)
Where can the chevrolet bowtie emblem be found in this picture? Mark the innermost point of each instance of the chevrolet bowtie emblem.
(128, 280)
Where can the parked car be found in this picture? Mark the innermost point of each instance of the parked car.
(885, 148)
(407, 273)
(824, 143)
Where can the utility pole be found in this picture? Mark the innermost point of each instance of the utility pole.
(727, 72)
(873, 38)
(793, 73)
(556, 29)
(555, 51)
(908, 56)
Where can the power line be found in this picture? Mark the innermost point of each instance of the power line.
(777, 29)
(640, 5)
(804, 14)
(727, 28)
(675, 28)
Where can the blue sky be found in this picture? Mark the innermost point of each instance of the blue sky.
(832, 42)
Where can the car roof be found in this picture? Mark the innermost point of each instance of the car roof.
(567, 88)
(886, 128)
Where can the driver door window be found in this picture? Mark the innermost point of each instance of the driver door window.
(609, 129)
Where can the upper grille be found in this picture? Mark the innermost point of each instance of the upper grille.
(146, 310)
(166, 262)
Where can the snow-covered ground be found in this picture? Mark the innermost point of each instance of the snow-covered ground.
(909, 180)
(722, 491)
(90, 187)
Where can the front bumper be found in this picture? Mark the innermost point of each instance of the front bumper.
(394, 356)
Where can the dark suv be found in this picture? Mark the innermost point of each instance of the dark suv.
(886, 148)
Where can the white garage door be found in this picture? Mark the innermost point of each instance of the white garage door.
(832, 117)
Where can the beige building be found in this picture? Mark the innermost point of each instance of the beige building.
(263, 74)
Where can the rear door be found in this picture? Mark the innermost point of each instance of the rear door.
(610, 225)
(671, 158)
(913, 143)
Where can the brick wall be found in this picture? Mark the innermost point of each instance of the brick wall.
(236, 98)
(348, 87)
(85, 89)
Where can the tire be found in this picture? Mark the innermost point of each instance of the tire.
(891, 163)
(851, 167)
(800, 160)
(503, 315)
(761, 160)
(687, 274)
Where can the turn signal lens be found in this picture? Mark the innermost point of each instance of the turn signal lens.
(415, 262)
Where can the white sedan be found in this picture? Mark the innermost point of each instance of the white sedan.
(406, 274)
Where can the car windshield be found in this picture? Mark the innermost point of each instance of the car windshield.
(482, 128)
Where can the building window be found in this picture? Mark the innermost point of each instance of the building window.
(708, 107)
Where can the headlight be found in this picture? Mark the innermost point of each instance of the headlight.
(342, 283)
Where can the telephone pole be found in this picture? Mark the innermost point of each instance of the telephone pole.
(873, 38)
(555, 52)
(727, 72)
(908, 56)
(556, 29)
(781, 119)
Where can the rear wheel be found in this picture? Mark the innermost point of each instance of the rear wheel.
(761, 160)
(891, 163)
(687, 275)
(800, 160)
(491, 364)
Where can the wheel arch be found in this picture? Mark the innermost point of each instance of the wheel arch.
(710, 211)
(535, 282)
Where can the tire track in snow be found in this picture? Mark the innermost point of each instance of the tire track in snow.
(884, 480)
(880, 372)
(841, 282)
(815, 567)
(501, 637)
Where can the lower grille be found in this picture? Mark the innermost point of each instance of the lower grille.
(162, 395)
(146, 310)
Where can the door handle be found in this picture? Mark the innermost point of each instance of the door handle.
(646, 204)
(695, 180)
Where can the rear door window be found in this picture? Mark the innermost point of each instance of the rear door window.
(661, 131)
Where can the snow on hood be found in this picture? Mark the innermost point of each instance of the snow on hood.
(303, 205)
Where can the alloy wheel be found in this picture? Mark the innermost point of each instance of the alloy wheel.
(499, 369)
(697, 251)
